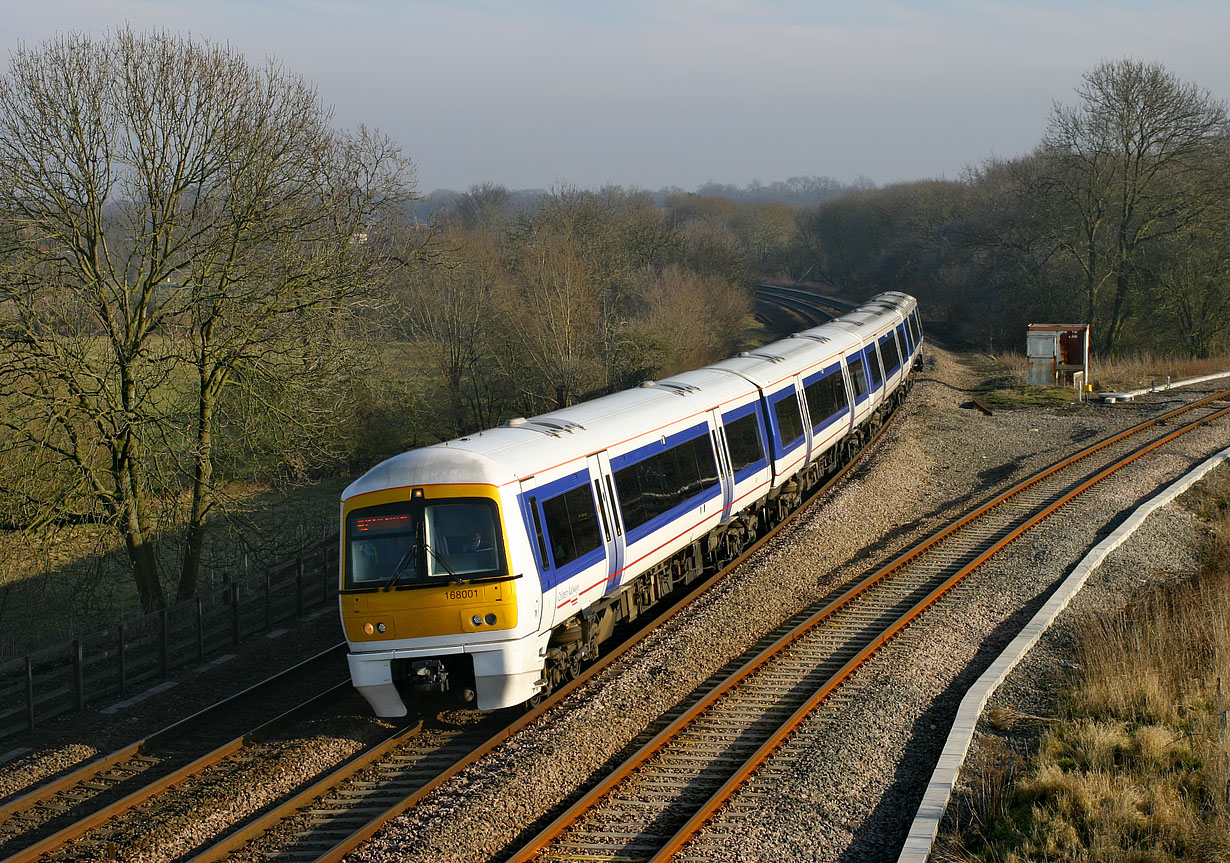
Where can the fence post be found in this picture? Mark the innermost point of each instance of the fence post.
(166, 652)
(123, 669)
(235, 622)
(325, 572)
(299, 583)
(30, 691)
(79, 673)
(200, 630)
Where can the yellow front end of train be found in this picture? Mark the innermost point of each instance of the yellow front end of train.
(428, 598)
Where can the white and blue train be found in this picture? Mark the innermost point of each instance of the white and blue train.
(491, 566)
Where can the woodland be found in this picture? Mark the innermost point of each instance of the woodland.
(205, 287)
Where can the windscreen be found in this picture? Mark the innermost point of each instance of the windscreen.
(408, 543)
(462, 539)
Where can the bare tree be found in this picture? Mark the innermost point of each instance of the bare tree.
(485, 207)
(451, 309)
(1192, 290)
(175, 221)
(556, 327)
(1140, 158)
(692, 319)
(767, 230)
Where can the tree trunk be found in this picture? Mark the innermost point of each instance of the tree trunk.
(202, 478)
(1118, 312)
(141, 555)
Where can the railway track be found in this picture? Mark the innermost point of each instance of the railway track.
(331, 817)
(47, 818)
(804, 309)
(650, 806)
(345, 807)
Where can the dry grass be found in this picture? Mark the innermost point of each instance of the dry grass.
(1137, 766)
(1131, 371)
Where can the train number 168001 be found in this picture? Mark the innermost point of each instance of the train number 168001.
(462, 594)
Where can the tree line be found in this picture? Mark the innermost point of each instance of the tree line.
(1119, 217)
(204, 283)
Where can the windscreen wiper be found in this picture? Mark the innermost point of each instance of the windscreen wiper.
(400, 568)
(442, 563)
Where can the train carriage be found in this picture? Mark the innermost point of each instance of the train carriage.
(490, 566)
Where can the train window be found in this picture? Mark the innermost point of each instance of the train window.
(892, 354)
(906, 340)
(610, 493)
(606, 529)
(917, 325)
(789, 420)
(462, 538)
(873, 363)
(657, 484)
(572, 524)
(743, 442)
(858, 376)
(825, 398)
(542, 543)
(381, 545)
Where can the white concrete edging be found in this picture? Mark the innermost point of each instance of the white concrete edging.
(939, 789)
(1186, 382)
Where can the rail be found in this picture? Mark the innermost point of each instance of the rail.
(146, 768)
(389, 774)
(660, 797)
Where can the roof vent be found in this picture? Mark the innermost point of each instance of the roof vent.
(558, 424)
(680, 388)
(515, 421)
(646, 384)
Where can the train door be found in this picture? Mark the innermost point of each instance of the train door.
(717, 434)
(871, 353)
(531, 517)
(611, 527)
(809, 434)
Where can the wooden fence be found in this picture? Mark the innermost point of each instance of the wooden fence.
(112, 662)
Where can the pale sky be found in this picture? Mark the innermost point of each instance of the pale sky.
(681, 92)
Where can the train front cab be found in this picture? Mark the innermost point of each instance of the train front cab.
(431, 600)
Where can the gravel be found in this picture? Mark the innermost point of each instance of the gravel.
(848, 794)
(857, 772)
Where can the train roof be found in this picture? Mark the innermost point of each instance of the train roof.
(523, 446)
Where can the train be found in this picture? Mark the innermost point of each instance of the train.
(489, 568)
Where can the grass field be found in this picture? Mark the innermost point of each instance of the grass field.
(66, 580)
(1003, 386)
(1131, 372)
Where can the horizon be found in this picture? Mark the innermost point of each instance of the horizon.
(651, 96)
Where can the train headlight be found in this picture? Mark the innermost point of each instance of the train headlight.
(368, 629)
(380, 627)
(477, 620)
(490, 619)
